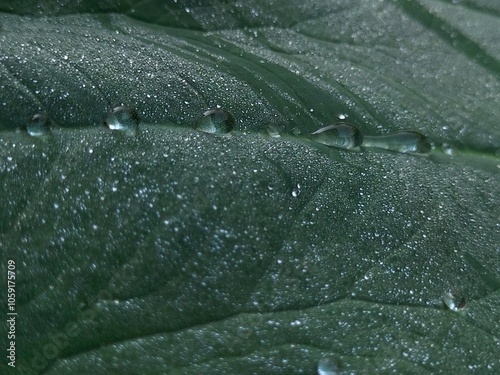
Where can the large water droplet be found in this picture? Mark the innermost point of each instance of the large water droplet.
(454, 300)
(341, 135)
(406, 141)
(122, 118)
(215, 120)
(38, 126)
(328, 366)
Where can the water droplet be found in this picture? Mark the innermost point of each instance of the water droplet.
(38, 126)
(328, 366)
(406, 141)
(455, 301)
(296, 191)
(216, 120)
(341, 135)
(122, 118)
(448, 149)
(273, 131)
(296, 131)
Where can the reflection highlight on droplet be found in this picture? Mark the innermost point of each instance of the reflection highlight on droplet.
(123, 119)
(406, 141)
(216, 120)
(341, 135)
(38, 126)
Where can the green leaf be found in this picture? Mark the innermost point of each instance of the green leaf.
(176, 251)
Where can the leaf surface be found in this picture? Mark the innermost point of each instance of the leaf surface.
(175, 251)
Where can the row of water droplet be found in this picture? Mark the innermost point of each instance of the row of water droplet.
(126, 119)
(217, 120)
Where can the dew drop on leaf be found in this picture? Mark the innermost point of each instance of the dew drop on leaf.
(296, 191)
(122, 118)
(406, 141)
(273, 131)
(448, 149)
(328, 366)
(341, 135)
(215, 120)
(453, 300)
(38, 126)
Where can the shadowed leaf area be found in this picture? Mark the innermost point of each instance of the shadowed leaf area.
(255, 250)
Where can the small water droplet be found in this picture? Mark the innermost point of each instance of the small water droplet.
(447, 149)
(273, 132)
(122, 118)
(455, 301)
(406, 141)
(296, 131)
(38, 126)
(341, 135)
(328, 366)
(216, 120)
(296, 191)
